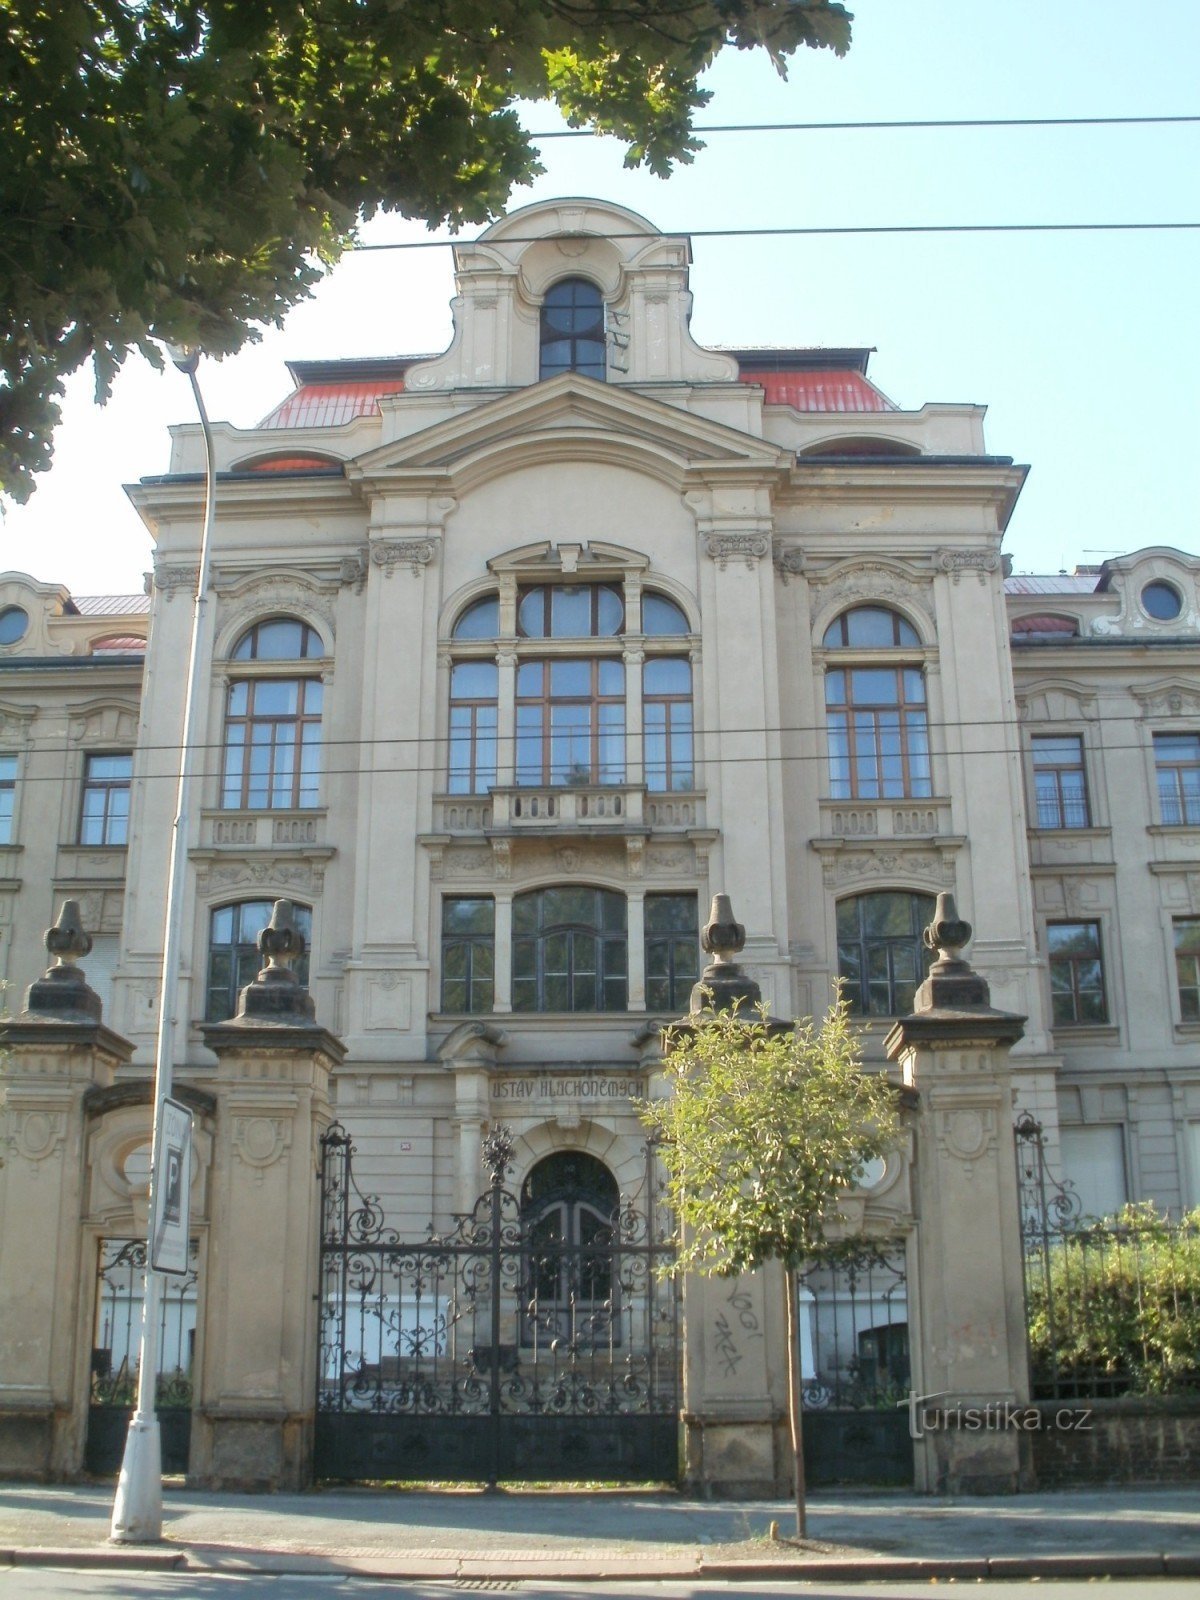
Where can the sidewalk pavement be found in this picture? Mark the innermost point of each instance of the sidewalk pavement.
(610, 1534)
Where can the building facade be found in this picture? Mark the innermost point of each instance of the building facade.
(518, 653)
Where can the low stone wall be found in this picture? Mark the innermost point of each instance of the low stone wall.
(1134, 1441)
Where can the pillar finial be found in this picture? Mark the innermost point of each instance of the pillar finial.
(62, 994)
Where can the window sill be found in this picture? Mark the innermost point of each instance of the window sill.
(1066, 1034)
(1174, 829)
(1090, 832)
(1188, 1030)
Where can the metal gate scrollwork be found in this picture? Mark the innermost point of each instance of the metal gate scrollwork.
(536, 1339)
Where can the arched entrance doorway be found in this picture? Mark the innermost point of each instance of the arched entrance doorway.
(570, 1224)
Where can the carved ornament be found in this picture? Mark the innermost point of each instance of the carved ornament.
(169, 579)
(726, 547)
(790, 562)
(956, 562)
(411, 553)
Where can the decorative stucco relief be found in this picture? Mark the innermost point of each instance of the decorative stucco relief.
(36, 1134)
(248, 600)
(842, 866)
(414, 554)
(259, 1142)
(790, 562)
(306, 875)
(1057, 702)
(519, 860)
(981, 562)
(168, 580)
(727, 547)
(1168, 699)
(14, 726)
(103, 724)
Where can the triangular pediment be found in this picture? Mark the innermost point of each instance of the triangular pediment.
(569, 418)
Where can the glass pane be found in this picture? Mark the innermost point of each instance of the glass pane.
(583, 992)
(282, 639)
(454, 993)
(611, 677)
(557, 993)
(531, 614)
(467, 916)
(473, 680)
(454, 961)
(238, 693)
(667, 676)
(662, 616)
(568, 905)
(276, 697)
(479, 621)
(571, 678)
(570, 612)
(525, 913)
(610, 612)
(671, 913)
(612, 911)
(874, 686)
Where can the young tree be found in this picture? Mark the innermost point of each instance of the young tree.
(763, 1129)
(186, 169)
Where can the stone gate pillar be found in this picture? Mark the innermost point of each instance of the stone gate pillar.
(736, 1442)
(253, 1421)
(969, 1317)
(50, 1056)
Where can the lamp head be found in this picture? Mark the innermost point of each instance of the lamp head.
(184, 356)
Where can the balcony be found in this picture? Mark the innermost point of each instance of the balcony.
(553, 808)
(262, 830)
(885, 819)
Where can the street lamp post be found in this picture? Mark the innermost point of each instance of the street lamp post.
(137, 1509)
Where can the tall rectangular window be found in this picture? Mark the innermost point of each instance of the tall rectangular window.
(8, 796)
(468, 954)
(473, 713)
(1177, 766)
(878, 734)
(1060, 787)
(672, 951)
(272, 744)
(1076, 973)
(1187, 967)
(667, 722)
(571, 721)
(104, 811)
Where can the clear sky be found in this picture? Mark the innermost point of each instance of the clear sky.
(1083, 346)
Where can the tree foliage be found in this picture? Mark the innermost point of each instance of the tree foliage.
(1115, 1308)
(187, 169)
(763, 1131)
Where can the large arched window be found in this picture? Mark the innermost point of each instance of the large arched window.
(571, 692)
(881, 956)
(875, 708)
(272, 756)
(233, 955)
(569, 950)
(572, 330)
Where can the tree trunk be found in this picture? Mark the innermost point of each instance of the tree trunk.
(791, 1290)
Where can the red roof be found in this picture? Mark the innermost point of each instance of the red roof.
(328, 405)
(819, 390)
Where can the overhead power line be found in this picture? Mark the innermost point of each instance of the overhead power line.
(923, 123)
(844, 230)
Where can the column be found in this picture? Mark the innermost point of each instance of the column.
(635, 903)
(51, 1054)
(969, 1311)
(502, 952)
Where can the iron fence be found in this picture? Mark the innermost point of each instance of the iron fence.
(1112, 1304)
(853, 1319)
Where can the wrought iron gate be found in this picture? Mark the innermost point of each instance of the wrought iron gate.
(506, 1349)
(120, 1288)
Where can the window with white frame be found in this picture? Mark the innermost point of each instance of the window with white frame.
(104, 804)
(571, 692)
(272, 753)
(875, 713)
(1177, 770)
(8, 795)
(1059, 781)
(1076, 960)
(1186, 932)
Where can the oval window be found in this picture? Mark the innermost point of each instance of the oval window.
(1159, 600)
(14, 620)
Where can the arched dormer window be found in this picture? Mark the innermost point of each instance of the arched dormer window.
(572, 330)
(569, 950)
(875, 707)
(272, 756)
